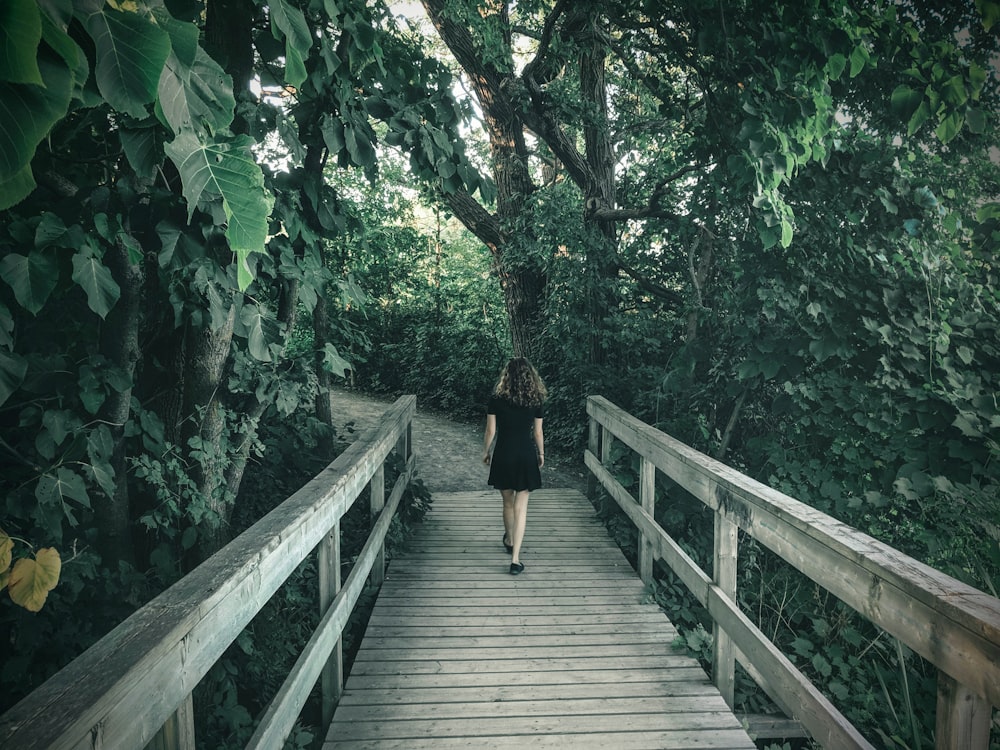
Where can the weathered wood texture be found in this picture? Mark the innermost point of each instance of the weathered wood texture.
(122, 690)
(459, 653)
(952, 625)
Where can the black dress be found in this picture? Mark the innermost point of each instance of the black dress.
(514, 465)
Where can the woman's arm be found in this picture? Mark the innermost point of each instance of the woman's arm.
(539, 442)
(491, 430)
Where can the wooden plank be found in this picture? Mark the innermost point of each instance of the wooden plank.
(721, 739)
(659, 671)
(479, 655)
(487, 727)
(565, 690)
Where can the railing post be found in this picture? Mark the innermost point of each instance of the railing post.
(647, 498)
(724, 567)
(177, 732)
(963, 717)
(377, 492)
(332, 679)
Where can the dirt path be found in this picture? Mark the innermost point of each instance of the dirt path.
(449, 453)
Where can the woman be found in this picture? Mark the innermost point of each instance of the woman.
(514, 417)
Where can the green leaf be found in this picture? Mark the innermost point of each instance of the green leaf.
(990, 11)
(17, 187)
(333, 134)
(100, 448)
(131, 53)
(12, 370)
(27, 113)
(859, 58)
(288, 21)
(835, 66)
(976, 120)
(62, 486)
(193, 90)
(32, 278)
(920, 116)
(143, 147)
(20, 33)
(949, 127)
(252, 317)
(333, 362)
(786, 233)
(226, 171)
(96, 280)
(905, 100)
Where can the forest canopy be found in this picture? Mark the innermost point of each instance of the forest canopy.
(769, 228)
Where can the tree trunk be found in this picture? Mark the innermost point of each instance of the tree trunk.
(205, 419)
(510, 231)
(120, 345)
(321, 335)
(599, 191)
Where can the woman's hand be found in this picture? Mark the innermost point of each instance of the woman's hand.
(486, 458)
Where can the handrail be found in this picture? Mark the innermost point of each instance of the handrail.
(954, 626)
(134, 686)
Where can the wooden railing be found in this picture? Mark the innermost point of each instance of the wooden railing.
(952, 625)
(133, 688)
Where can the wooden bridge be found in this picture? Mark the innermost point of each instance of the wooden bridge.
(459, 653)
(569, 654)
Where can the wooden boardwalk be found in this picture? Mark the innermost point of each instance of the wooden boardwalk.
(459, 653)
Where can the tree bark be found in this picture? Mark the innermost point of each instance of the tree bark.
(120, 345)
(207, 354)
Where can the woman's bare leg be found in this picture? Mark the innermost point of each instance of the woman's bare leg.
(520, 511)
(508, 514)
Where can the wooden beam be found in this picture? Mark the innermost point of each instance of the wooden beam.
(724, 557)
(963, 718)
(647, 499)
(328, 563)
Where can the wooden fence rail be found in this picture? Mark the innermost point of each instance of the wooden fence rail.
(133, 688)
(952, 625)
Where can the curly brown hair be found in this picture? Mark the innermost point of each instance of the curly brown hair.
(520, 383)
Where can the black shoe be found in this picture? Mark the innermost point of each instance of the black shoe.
(516, 569)
(508, 547)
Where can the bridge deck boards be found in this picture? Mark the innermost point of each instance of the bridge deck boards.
(459, 653)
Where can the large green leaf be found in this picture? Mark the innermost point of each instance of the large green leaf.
(131, 53)
(193, 90)
(226, 171)
(143, 147)
(289, 22)
(12, 370)
(253, 322)
(32, 277)
(96, 280)
(17, 187)
(27, 113)
(20, 33)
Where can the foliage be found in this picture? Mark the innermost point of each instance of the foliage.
(28, 580)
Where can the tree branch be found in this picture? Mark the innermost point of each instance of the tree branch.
(652, 209)
(669, 296)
